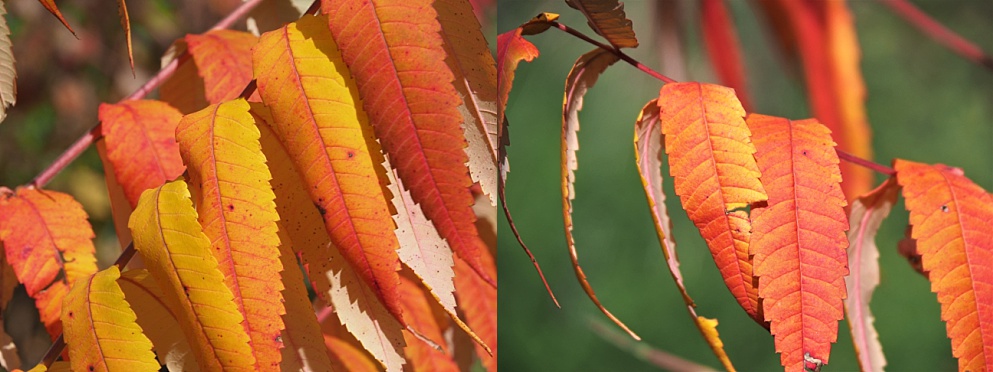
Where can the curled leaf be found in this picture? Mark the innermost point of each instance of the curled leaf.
(607, 18)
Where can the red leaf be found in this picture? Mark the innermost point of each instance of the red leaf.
(951, 218)
(799, 245)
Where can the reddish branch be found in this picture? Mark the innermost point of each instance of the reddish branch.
(940, 33)
(648, 70)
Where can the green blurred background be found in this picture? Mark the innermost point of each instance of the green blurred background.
(924, 104)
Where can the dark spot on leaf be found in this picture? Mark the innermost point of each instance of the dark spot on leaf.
(230, 207)
(944, 208)
(90, 367)
(70, 314)
(320, 209)
(804, 152)
(351, 154)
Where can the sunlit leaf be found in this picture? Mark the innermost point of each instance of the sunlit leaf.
(715, 175)
(177, 254)
(951, 218)
(314, 104)
(224, 61)
(418, 310)
(100, 327)
(413, 107)
(157, 320)
(233, 198)
(478, 301)
(607, 18)
(141, 144)
(799, 238)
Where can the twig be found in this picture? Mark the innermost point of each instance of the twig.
(940, 33)
(658, 358)
(92, 135)
(841, 154)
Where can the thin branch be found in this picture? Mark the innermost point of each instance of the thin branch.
(841, 154)
(940, 33)
(94, 134)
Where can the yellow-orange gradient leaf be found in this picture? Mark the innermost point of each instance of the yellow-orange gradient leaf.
(47, 238)
(224, 61)
(471, 62)
(799, 246)
(648, 157)
(951, 218)
(867, 213)
(334, 280)
(101, 331)
(141, 144)
(49, 305)
(715, 175)
(177, 254)
(394, 51)
(317, 116)
(234, 202)
(607, 18)
(157, 320)
(581, 78)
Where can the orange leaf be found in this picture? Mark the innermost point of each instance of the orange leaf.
(184, 90)
(348, 356)
(470, 61)
(101, 331)
(583, 76)
(418, 310)
(316, 116)
(334, 280)
(220, 144)
(141, 144)
(413, 107)
(224, 61)
(799, 246)
(867, 213)
(120, 206)
(157, 320)
(723, 49)
(45, 235)
(511, 50)
(648, 157)
(951, 218)
(607, 18)
(714, 173)
(49, 305)
(177, 254)
(478, 301)
(54, 9)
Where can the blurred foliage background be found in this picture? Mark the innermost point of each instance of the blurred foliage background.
(924, 103)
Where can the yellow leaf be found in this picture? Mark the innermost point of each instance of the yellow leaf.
(157, 320)
(303, 346)
(100, 327)
(177, 254)
(220, 145)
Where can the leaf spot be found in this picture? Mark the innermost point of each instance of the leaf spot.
(944, 208)
(351, 154)
(321, 209)
(230, 207)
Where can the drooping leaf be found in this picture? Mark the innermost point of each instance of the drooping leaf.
(224, 61)
(721, 40)
(141, 144)
(478, 301)
(867, 213)
(951, 218)
(157, 319)
(583, 76)
(303, 344)
(122, 9)
(101, 331)
(425, 252)
(334, 280)
(177, 254)
(714, 173)
(314, 104)
(648, 157)
(799, 242)
(417, 307)
(8, 75)
(46, 235)
(220, 145)
(607, 18)
(413, 107)
(54, 9)
(470, 61)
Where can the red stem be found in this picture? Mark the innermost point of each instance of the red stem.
(94, 134)
(841, 154)
(940, 33)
